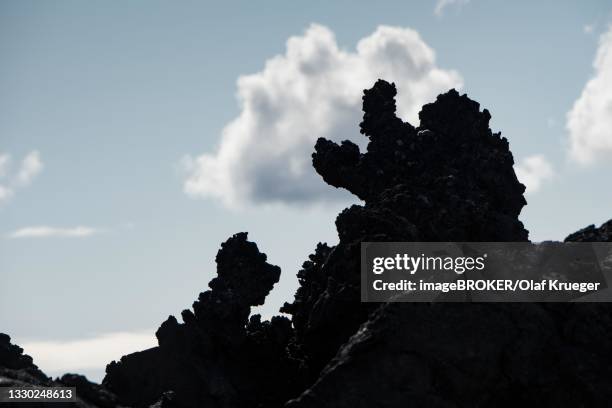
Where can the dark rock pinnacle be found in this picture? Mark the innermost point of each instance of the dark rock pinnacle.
(448, 179)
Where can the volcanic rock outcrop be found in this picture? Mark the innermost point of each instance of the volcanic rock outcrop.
(217, 357)
(592, 234)
(449, 179)
(18, 370)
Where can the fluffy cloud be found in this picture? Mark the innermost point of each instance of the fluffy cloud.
(29, 168)
(53, 232)
(532, 171)
(442, 4)
(312, 90)
(589, 122)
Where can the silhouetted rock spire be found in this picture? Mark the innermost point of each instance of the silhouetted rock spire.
(448, 179)
(217, 357)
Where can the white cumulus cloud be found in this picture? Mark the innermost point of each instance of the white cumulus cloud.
(533, 171)
(44, 231)
(312, 90)
(12, 180)
(589, 122)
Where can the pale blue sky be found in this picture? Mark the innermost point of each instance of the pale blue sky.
(113, 94)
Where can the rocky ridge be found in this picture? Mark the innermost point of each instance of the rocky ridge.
(448, 179)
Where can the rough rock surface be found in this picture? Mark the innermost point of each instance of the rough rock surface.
(16, 365)
(217, 357)
(18, 370)
(592, 234)
(449, 179)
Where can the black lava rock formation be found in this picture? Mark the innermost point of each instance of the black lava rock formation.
(449, 179)
(217, 357)
(16, 365)
(592, 234)
(18, 370)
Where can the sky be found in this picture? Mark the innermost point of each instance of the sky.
(135, 137)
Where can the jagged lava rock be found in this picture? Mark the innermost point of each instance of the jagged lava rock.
(217, 357)
(592, 234)
(18, 366)
(18, 370)
(450, 179)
